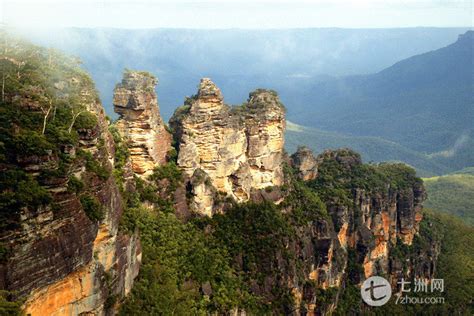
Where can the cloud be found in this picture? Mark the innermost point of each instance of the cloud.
(459, 144)
(236, 13)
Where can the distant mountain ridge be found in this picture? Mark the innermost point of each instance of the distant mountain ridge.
(371, 148)
(425, 103)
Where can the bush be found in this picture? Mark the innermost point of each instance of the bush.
(4, 254)
(75, 185)
(93, 165)
(18, 190)
(92, 207)
(86, 120)
(8, 305)
(177, 259)
(32, 143)
(168, 171)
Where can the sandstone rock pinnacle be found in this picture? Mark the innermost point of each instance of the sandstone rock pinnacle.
(140, 122)
(239, 148)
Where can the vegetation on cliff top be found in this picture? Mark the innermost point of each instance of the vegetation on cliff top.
(453, 194)
(47, 106)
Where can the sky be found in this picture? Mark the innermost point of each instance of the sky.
(253, 14)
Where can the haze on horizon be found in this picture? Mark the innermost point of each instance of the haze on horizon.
(249, 14)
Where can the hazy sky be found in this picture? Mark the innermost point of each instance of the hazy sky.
(237, 13)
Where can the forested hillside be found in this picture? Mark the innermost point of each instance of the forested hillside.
(453, 194)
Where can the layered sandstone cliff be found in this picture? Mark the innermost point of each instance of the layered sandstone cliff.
(239, 149)
(62, 261)
(366, 228)
(140, 122)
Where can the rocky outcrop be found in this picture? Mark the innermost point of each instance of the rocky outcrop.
(368, 229)
(239, 148)
(305, 163)
(140, 122)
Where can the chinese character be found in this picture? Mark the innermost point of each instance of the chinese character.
(421, 286)
(402, 285)
(437, 284)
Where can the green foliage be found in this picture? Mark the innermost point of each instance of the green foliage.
(42, 86)
(453, 194)
(349, 302)
(456, 259)
(43, 89)
(120, 159)
(75, 185)
(253, 231)
(455, 265)
(324, 298)
(8, 306)
(86, 120)
(59, 135)
(168, 171)
(92, 207)
(4, 253)
(177, 259)
(305, 205)
(93, 165)
(32, 143)
(18, 190)
(337, 178)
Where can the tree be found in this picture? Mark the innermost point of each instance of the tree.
(74, 118)
(46, 110)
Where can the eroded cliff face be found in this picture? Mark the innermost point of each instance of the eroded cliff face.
(239, 149)
(366, 228)
(140, 122)
(60, 260)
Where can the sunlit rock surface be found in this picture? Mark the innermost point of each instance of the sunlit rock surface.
(140, 122)
(239, 148)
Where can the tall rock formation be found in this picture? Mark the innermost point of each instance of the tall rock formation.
(140, 122)
(239, 148)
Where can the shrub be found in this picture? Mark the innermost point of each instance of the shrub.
(75, 185)
(92, 207)
(93, 165)
(168, 171)
(32, 143)
(8, 305)
(86, 120)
